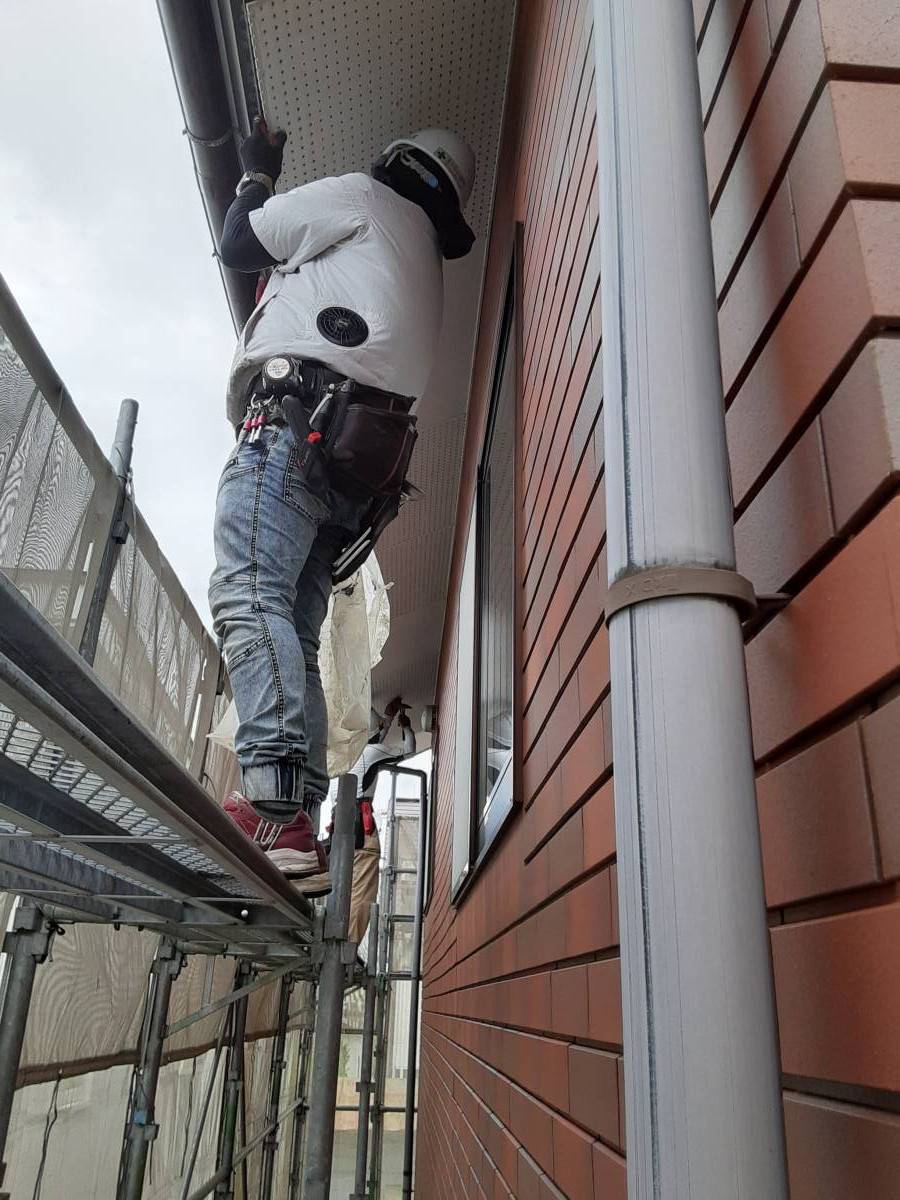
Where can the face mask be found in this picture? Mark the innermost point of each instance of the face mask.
(416, 183)
(457, 238)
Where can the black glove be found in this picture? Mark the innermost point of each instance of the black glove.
(263, 151)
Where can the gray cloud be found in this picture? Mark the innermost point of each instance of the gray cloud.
(105, 246)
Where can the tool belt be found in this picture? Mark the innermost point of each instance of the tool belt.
(361, 437)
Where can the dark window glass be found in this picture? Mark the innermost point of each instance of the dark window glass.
(496, 598)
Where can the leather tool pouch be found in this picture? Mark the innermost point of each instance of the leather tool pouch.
(365, 449)
(369, 447)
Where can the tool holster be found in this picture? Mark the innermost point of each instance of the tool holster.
(363, 442)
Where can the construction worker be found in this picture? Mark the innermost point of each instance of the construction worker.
(375, 757)
(353, 309)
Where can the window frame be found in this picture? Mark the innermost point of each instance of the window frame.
(431, 805)
(485, 828)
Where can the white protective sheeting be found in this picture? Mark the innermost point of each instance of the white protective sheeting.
(75, 1126)
(353, 636)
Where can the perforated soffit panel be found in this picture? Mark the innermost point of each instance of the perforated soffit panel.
(345, 77)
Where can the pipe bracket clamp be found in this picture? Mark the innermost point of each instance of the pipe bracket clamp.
(657, 583)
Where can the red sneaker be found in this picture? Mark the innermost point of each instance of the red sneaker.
(294, 849)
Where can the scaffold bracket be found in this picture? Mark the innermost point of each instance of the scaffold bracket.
(31, 932)
(143, 1129)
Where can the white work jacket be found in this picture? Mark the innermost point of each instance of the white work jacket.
(354, 243)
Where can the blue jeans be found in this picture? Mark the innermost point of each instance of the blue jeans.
(278, 530)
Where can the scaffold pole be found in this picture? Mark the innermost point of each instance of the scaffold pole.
(141, 1128)
(234, 1086)
(329, 1009)
(120, 458)
(276, 1075)
(204, 1107)
(365, 1066)
(383, 998)
(27, 945)
(415, 970)
(295, 1176)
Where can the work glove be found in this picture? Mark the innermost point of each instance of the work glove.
(393, 707)
(263, 151)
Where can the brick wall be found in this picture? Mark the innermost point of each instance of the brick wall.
(521, 1045)
(521, 1084)
(802, 103)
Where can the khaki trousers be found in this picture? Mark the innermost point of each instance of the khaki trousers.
(364, 889)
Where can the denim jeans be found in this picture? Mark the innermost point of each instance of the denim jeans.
(278, 531)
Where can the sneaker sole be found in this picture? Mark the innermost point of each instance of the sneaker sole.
(295, 862)
(301, 868)
(310, 885)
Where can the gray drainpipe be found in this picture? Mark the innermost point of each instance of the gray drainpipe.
(703, 1097)
(196, 58)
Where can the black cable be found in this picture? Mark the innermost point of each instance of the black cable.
(52, 1116)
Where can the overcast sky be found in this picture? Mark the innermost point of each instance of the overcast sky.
(104, 244)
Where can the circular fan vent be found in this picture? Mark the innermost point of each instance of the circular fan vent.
(342, 326)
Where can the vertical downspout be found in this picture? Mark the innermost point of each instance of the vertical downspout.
(703, 1098)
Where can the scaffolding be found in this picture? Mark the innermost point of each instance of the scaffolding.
(107, 818)
(331, 961)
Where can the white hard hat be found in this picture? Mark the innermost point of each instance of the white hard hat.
(448, 151)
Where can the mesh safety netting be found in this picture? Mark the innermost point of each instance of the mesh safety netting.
(58, 495)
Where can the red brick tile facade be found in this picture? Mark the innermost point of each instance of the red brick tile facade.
(522, 1083)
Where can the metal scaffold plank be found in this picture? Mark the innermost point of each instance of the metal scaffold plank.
(66, 731)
